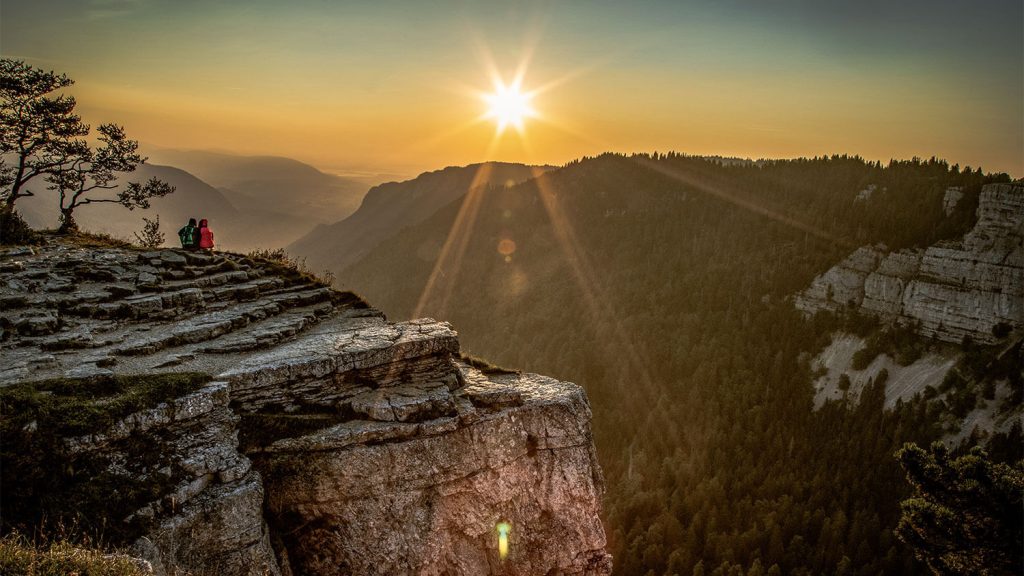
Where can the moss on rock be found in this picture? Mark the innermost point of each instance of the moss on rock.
(46, 482)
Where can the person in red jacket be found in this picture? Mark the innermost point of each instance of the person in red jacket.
(205, 236)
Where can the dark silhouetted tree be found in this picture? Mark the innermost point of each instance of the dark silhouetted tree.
(41, 136)
(38, 132)
(97, 170)
(965, 515)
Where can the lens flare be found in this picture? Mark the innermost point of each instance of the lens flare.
(503, 530)
(506, 247)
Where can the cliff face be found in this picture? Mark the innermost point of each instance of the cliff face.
(328, 441)
(427, 497)
(949, 290)
(211, 517)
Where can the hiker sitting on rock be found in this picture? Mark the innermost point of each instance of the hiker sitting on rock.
(205, 236)
(189, 235)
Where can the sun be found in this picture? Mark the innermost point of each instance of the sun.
(509, 105)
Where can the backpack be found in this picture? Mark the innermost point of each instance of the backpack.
(187, 235)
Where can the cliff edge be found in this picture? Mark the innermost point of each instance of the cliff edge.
(973, 287)
(218, 412)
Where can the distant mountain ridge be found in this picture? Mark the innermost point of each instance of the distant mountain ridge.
(251, 201)
(391, 207)
(271, 184)
(192, 198)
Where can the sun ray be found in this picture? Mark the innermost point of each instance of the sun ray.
(454, 247)
(605, 315)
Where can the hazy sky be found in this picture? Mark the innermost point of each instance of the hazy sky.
(388, 85)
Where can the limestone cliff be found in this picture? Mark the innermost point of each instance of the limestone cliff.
(326, 440)
(949, 290)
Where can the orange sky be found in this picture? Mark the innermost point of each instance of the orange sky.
(390, 86)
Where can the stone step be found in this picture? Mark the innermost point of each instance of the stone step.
(199, 328)
(350, 359)
(144, 306)
(164, 258)
(31, 322)
(302, 297)
(13, 301)
(249, 290)
(266, 333)
(288, 288)
(219, 278)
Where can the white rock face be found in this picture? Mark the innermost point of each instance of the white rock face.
(950, 290)
(843, 284)
(903, 382)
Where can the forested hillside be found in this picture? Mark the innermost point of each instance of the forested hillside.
(662, 285)
(390, 207)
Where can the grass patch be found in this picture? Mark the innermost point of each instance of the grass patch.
(289, 267)
(44, 483)
(19, 557)
(95, 240)
(74, 407)
(485, 366)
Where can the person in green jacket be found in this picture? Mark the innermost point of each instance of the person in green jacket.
(189, 235)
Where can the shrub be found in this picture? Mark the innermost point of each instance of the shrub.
(14, 230)
(151, 236)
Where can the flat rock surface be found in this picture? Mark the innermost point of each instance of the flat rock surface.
(72, 311)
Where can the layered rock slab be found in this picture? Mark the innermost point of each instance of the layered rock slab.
(368, 497)
(948, 291)
(332, 363)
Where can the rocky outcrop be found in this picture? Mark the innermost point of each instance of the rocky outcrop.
(949, 290)
(426, 495)
(329, 440)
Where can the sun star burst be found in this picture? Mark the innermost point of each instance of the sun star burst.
(508, 105)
